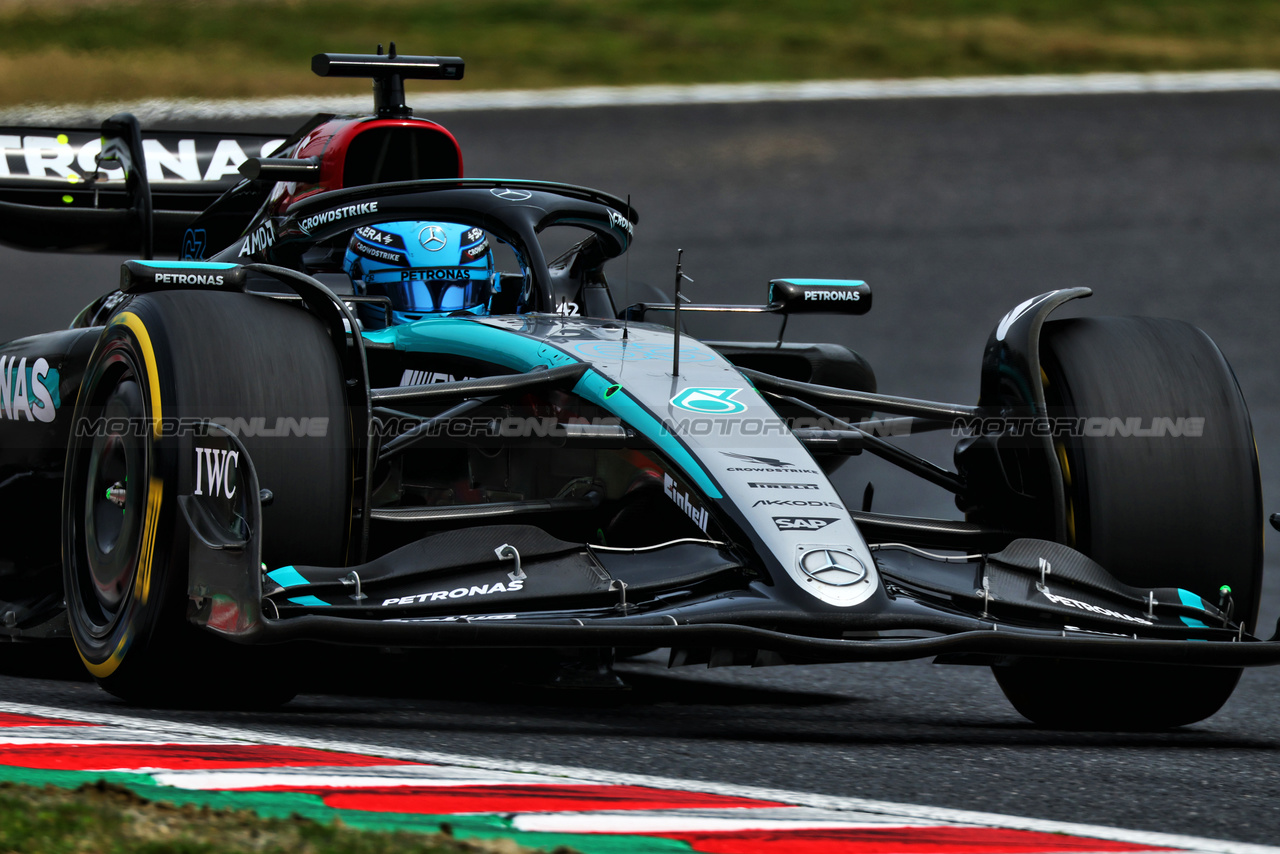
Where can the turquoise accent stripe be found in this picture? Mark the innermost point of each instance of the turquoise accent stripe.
(187, 265)
(824, 283)
(1191, 600)
(287, 576)
(52, 381)
(308, 600)
(469, 338)
(816, 283)
(593, 386)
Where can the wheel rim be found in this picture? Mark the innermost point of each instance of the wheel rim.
(112, 468)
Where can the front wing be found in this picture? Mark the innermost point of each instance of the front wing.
(517, 586)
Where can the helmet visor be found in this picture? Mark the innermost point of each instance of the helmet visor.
(433, 289)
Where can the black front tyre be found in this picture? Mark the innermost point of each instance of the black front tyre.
(1156, 511)
(175, 358)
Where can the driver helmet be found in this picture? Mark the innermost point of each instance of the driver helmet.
(425, 268)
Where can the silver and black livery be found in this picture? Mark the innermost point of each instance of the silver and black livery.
(239, 464)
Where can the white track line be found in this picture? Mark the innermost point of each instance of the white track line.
(153, 110)
(695, 820)
(808, 799)
(356, 778)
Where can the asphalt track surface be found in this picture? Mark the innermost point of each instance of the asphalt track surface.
(954, 211)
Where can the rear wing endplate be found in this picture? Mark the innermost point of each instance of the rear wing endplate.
(59, 192)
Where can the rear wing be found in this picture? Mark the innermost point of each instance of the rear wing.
(118, 189)
(55, 195)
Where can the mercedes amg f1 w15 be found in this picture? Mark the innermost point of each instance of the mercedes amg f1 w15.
(300, 431)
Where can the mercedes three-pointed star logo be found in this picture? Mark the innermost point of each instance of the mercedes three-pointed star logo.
(511, 195)
(832, 567)
(432, 238)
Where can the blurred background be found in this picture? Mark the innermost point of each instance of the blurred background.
(59, 51)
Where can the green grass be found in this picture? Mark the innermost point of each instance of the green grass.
(109, 819)
(68, 51)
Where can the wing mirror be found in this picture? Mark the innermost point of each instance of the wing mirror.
(814, 296)
(786, 297)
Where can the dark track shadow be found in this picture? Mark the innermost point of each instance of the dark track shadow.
(694, 722)
(501, 692)
(45, 660)
(489, 694)
(501, 676)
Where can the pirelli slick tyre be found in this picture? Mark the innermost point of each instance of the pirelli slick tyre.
(168, 360)
(1180, 506)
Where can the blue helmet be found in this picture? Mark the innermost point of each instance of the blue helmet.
(424, 267)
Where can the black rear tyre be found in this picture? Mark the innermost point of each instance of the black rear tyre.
(1156, 511)
(181, 357)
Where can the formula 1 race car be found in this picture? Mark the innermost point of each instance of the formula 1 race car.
(264, 442)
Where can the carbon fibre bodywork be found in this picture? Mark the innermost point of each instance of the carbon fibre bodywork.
(739, 593)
